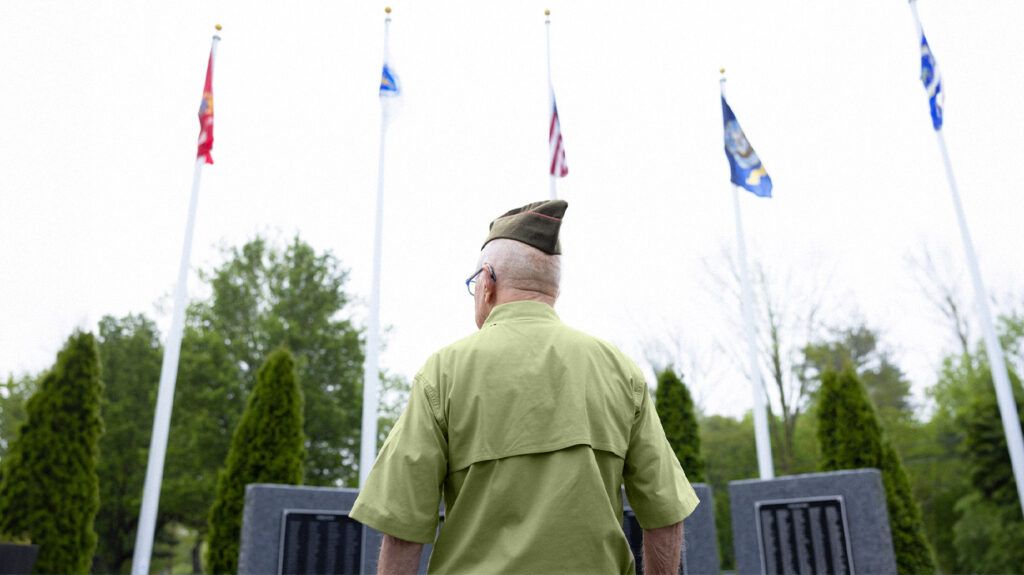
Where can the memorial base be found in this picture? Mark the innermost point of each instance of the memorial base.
(17, 559)
(833, 522)
(700, 545)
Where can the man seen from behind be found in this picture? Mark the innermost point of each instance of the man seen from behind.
(528, 429)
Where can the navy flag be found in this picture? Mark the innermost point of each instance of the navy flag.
(747, 170)
(932, 82)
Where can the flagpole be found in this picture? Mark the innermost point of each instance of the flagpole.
(371, 369)
(761, 437)
(168, 376)
(551, 99)
(994, 350)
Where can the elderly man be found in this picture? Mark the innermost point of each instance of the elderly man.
(529, 429)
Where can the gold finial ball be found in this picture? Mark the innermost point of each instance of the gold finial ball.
(387, 9)
(547, 12)
(218, 27)
(721, 70)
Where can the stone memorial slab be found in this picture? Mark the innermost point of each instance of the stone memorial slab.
(700, 555)
(289, 529)
(17, 559)
(833, 522)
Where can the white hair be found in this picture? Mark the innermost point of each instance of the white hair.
(523, 267)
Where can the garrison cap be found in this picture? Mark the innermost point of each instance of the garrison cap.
(535, 224)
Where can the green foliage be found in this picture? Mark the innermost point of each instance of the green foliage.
(394, 395)
(263, 297)
(963, 483)
(851, 438)
(1011, 334)
(989, 536)
(50, 491)
(938, 476)
(730, 453)
(889, 391)
(860, 348)
(804, 440)
(267, 447)
(985, 442)
(210, 398)
(14, 394)
(676, 411)
(130, 353)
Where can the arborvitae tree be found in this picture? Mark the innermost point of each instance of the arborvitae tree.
(851, 438)
(267, 447)
(675, 408)
(50, 491)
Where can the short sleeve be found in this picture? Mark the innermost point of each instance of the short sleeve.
(402, 494)
(656, 486)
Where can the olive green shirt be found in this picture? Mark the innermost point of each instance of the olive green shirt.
(529, 429)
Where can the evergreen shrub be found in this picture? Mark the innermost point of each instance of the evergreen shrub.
(851, 438)
(267, 447)
(50, 491)
(675, 409)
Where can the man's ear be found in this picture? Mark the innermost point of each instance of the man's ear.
(490, 286)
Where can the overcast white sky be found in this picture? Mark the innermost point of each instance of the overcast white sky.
(98, 114)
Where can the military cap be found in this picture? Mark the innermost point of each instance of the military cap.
(535, 224)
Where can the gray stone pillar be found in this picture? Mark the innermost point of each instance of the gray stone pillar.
(834, 522)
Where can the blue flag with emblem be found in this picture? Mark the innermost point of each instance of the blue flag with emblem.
(388, 83)
(747, 170)
(932, 82)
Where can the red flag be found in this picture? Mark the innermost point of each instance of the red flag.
(206, 116)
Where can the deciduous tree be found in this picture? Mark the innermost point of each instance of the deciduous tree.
(261, 297)
(130, 353)
(989, 535)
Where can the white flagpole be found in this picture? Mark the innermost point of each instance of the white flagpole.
(551, 102)
(994, 350)
(371, 368)
(761, 437)
(168, 376)
(764, 448)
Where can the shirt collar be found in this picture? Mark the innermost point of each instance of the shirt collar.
(521, 310)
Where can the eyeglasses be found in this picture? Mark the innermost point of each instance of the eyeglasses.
(471, 280)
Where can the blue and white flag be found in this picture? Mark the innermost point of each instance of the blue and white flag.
(747, 170)
(389, 83)
(932, 82)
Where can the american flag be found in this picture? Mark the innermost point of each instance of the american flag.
(559, 168)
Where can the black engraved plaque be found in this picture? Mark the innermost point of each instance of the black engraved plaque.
(798, 536)
(320, 543)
